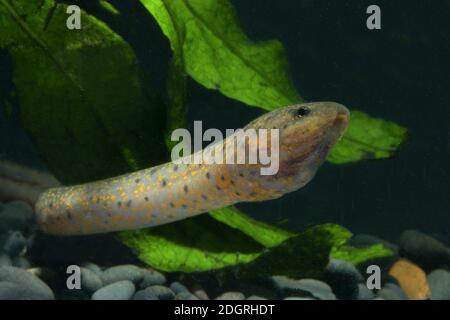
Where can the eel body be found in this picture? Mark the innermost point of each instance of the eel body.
(175, 191)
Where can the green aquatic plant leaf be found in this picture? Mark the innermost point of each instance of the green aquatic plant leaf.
(368, 138)
(192, 245)
(361, 255)
(219, 55)
(266, 234)
(342, 251)
(339, 234)
(203, 244)
(109, 7)
(82, 96)
(304, 255)
(233, 239)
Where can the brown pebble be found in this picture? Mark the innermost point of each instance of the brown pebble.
(411, 278)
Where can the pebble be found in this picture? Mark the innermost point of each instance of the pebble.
(343, 277)
(161, 292)
(232, 295)
(392, 292)
(424, 250)
(200, 292)
(5, 260)
(411, 278)
(443, 237)
(439, 282)
(15, 243)
(388, 294)
(145, 295)
(397, 289)
(14, 291)
(21, 262)
(186, 296)
(318, 289)
(364, 293)
(15, 215)
(121, 290)
(254, 297)
(315, 288)
(178, 287)
(18, 284)
(93, 267)
(48, 275)
(151, 278)
(122, 272)
(90, 281)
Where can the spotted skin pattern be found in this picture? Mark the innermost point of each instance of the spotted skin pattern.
(175, 191)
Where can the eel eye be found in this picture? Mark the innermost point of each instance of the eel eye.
(302, 112)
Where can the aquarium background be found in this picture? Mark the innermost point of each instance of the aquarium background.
(398, 73)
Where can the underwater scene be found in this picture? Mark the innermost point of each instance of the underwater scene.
(224, 150)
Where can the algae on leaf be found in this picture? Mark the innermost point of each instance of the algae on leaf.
(368, 138)
(81, 93)
(304, 255)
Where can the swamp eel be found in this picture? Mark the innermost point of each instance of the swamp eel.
(174, 191)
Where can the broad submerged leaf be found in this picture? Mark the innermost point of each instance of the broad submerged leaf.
(219, 55)
(339, 236)
(368, 138)
(203, 244)
(304, 255)
(81, 94)
(259, 249)
(192, 245)
(361, 255)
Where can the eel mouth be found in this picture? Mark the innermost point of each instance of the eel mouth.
(318, 151)
(331, 136)
(334, 133)
(340, 123)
